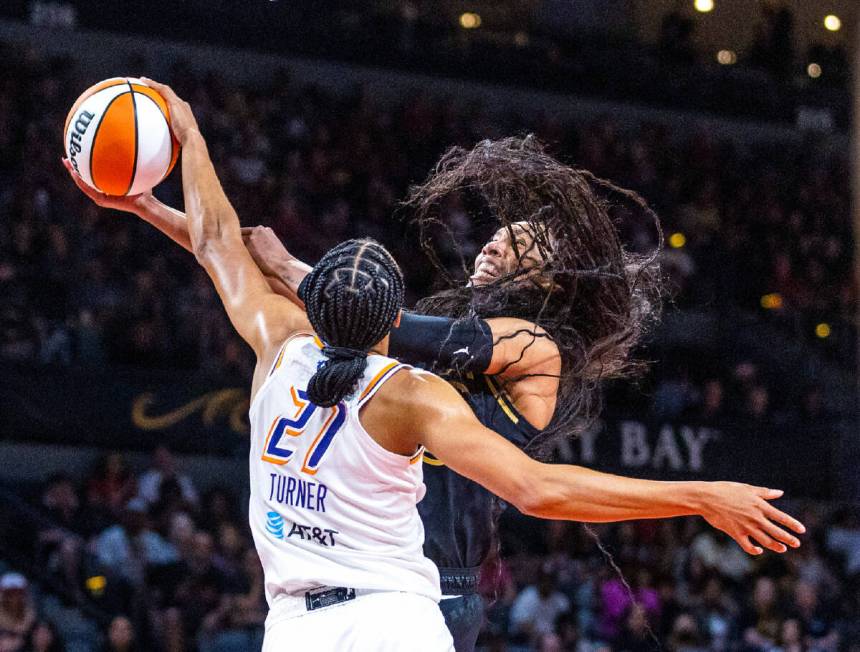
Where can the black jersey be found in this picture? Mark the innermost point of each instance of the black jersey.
(457, 512)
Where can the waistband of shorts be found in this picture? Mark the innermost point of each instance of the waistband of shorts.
(459, 581)
(286, 606)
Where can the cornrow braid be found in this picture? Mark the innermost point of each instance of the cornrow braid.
(352, 297)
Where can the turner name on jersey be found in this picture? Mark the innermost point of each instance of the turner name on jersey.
(329, 505)
(297, 492)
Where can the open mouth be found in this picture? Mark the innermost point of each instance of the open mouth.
(485, 271)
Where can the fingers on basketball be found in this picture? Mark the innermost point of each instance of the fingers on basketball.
(89, 192)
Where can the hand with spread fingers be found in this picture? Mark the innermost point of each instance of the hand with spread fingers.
(743, 512)
(182, 120)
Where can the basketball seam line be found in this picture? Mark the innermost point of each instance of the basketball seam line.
(170, 133)
(96, 134)
(136, 137)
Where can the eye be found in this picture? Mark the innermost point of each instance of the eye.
(521, 243)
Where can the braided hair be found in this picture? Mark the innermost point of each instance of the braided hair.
(352, 297)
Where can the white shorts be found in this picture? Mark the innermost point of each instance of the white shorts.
(385, 621)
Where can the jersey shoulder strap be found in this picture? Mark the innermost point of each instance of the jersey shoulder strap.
(379, 369)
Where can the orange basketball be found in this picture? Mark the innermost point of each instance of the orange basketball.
(117, 136)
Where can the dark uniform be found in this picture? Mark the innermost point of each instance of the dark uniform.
(459, 532)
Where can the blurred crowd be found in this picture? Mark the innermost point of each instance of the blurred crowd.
(162, 565)
(86, 285)
(81, 285)
(684, 587)
(166, 568)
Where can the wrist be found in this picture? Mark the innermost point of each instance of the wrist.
(145, 205)
(698, 498)
(187, 136)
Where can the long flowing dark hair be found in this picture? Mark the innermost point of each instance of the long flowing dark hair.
(591, 295)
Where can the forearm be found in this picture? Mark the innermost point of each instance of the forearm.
(289, 273)
(169, 221)
(284, 277)
(580, 494)
(210, 217)
(442, 343)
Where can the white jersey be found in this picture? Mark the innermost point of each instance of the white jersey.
(330, 506)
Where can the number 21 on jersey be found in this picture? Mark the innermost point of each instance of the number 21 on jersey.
(276, 451)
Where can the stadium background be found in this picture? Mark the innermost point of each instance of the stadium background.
(732, 122)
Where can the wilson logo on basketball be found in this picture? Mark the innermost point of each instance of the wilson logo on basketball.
(80, 128)
(118, 139)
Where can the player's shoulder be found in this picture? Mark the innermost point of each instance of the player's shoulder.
(413, 390)
(409, 380)
(511, 327)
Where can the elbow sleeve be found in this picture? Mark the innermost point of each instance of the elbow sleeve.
(443, 344)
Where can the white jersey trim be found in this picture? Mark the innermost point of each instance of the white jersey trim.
(277, 363)
(386, 374)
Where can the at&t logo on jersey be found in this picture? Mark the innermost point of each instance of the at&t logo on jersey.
(321, 536)
(275, 525)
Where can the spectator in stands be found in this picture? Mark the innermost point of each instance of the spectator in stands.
(59, 546)
(758, 404)
(711, 408)
(716, 611)
(636, 635)
(239, 612)
(685, 636)
(813, 618)
(219, 508)
(229, 557)
(761, 620)
(44, 637)
(773, 48)
(17, 614)
(121, 636)
(675, 44)
(791, 638)
(201, 583)
(129, 547)
(673, 395)
(111, 486)
(535, 609)
(616, 601)
(163, 468)
(844, 538)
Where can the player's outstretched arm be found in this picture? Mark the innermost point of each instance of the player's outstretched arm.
(169, 221)
(262, 318)
(173, 224)
(506, 346)
(447, 427)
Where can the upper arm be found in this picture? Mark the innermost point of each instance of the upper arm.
(521, 347)
(448, 428)
(262, 318)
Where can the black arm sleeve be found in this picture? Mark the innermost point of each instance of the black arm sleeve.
(442, 344)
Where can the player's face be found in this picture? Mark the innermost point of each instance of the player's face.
(505, 254)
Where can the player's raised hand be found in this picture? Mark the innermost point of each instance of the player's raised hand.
(743, 512)
(126, 203)
(266, 249)
(182, 120)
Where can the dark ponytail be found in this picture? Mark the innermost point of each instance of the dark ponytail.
(352, 296)
(338, 375)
